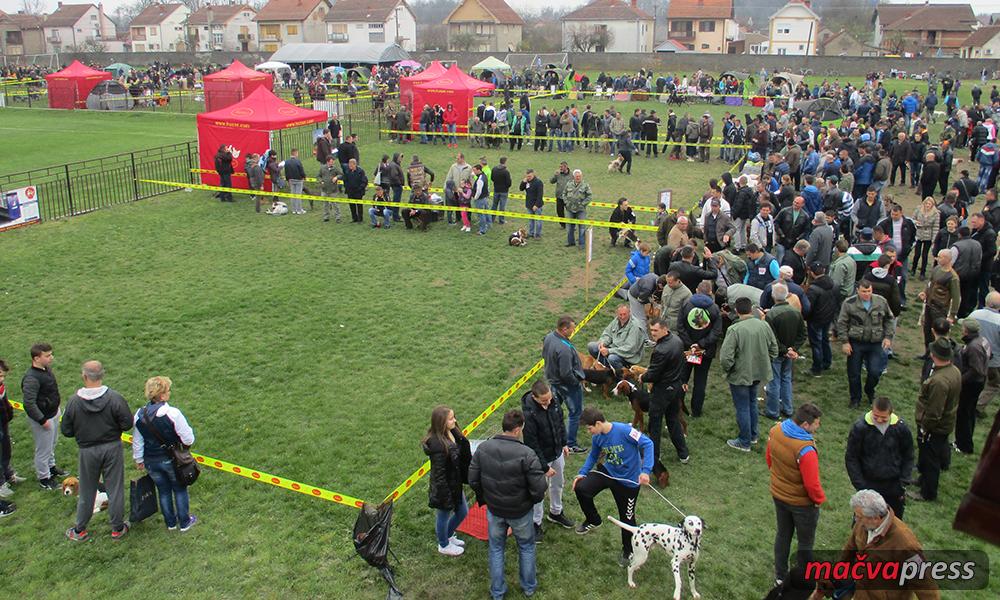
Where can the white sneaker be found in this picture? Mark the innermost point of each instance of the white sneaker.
(6, 491)
(454, 541)
(451, 550)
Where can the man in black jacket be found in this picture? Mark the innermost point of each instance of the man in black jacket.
(983, 233)
(743, 209)
(96, 416)
(507, 476)
(902, 233)
(347, 150)
(689, 273)
(699, 326)
(40, 395)
(666, 368)
(968, 255)
(545, 433)
(500, 177)
(824, 304)
(879, 453)
(791, 224)
(355, 184)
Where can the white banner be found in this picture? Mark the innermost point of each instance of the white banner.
(18, 207)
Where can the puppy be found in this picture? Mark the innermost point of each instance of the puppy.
(616, 164)
(682, 542)
(71, 487)
(518, 238)
(278, 208)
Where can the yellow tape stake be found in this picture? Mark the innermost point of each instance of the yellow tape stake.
(508, 136)
(260, 476)
(496, 404)
(387, 203)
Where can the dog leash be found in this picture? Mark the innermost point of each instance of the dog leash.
(650, 486)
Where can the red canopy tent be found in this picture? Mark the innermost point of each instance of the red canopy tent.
(454, 86)
(249, 126)
(69, 88)
(232, 84)
(432, 72)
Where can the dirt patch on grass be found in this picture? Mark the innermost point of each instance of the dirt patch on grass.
(556, 294)
(439, 283)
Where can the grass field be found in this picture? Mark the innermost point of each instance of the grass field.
(316, 351)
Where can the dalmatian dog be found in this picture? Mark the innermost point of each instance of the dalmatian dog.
(682, 542)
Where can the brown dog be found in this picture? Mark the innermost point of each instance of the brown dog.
(597, 373)
(71, 487)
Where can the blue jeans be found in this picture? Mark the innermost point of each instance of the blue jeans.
(397, 197)
(524, 533)
(745, 401)
(819, 341)
(386, 213)
(484, 220)
(170, 492)
(579, 214)
(614, 360)
(535, 226)
(779, 252)
(874, 358)
(500, 203)
(423, 138)
(448, 521)
(572, 398)
(779, 391)
(451, 130)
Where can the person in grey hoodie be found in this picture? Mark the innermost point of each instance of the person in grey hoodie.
(96, 416)
(565, 374)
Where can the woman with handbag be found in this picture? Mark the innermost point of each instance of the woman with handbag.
(160, 427)
(450, 455)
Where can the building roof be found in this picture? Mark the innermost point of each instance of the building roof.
(333, 54)
(798, 3)
(700, 9)
(981, 36)
(936, 17)
(671, 46)
(367, 11)
(154, 14)
(608, 10)
(502, 13)
(288, 10)
(221, 13)
(67, 15)
(23, 22)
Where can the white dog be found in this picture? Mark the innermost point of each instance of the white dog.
(71, 487)
(278, 208)
(682, 543)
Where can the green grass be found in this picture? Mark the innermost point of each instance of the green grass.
(244, 313)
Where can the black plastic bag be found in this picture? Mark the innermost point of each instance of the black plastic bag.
(371, 541)
(142, 499)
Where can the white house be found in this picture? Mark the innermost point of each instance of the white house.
(282, 22)
(982, 43)
(159, 28)
(794, 30)
(73, 26)
(608, 26)
(373, 23)
(228, 27)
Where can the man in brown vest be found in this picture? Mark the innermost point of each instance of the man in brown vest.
(795, 487)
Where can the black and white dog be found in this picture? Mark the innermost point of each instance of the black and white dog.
(682, 542)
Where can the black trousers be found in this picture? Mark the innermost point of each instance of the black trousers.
(627, 162)
(892, 492)
(970, 290)
(945, 175)
(357, 210)
(651, 145)
(561, 210)
(901, 168)
(225, 180)
(920, 256)
(933, 456)
(666, 405)
(5, 471)
(965, 419)
(625, 498)
(700, 382)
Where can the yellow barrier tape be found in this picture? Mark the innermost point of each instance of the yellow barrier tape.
(508, 136)
(261, 476)
(514, 196)
(496, 404)
(390, 204)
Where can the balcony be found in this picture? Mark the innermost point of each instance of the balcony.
(270, 36)
(53, 39)
(244, 37)
(337, 38)
(681, 35)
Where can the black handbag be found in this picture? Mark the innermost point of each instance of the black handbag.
(185, 466)
(142, 499)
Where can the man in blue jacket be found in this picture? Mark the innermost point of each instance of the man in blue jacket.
(628, 461)
(564, 372)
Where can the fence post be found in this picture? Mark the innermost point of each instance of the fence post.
(190, 163)
(135, 177)
(69, 191)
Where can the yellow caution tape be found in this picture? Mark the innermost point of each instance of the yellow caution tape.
(423, 469)
(261, 476)
(390, 204)
(508, 136)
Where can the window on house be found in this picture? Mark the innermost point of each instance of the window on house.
(292, 29)
(801, 47)
(680, 26)
(338, 33)
(704, 46)
(13, 38)
(217, 39)
(706, 26)
(376, 33)
(782, 51)
(270, 31)
(93, 17)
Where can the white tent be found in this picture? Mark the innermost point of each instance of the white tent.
(491, 63)
(271, 65)
(339, 54)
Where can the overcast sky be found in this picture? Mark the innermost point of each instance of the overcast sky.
(980, 6)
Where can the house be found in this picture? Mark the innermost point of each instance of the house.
(841, 43)
(982, 43)
(159, 28)
(484, 26)
(704, 26)
(794, 30)
(77, 26)
(291, 21)
(21, 35)
(608, 26)
(373, 23)
(228, 27)
(930, 29)
(753, 42)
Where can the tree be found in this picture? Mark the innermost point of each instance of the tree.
(602, 37)
(462, 42)
(33, 7)
(595, 38)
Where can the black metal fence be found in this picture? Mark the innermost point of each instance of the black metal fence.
(81, 187)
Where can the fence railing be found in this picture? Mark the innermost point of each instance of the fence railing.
(80, 187)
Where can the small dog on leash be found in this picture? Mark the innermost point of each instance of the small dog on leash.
(682, 542)
(278, 208)
(616, 164)
(71, 487)
(518, 238)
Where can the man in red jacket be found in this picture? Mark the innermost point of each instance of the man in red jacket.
(794, 464)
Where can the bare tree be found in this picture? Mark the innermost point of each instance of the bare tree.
(580, 38)
(462, 42)
(33, 7)
(602, 38)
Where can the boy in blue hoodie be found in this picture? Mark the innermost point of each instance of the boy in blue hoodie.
(628, 461)
(638, 263)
